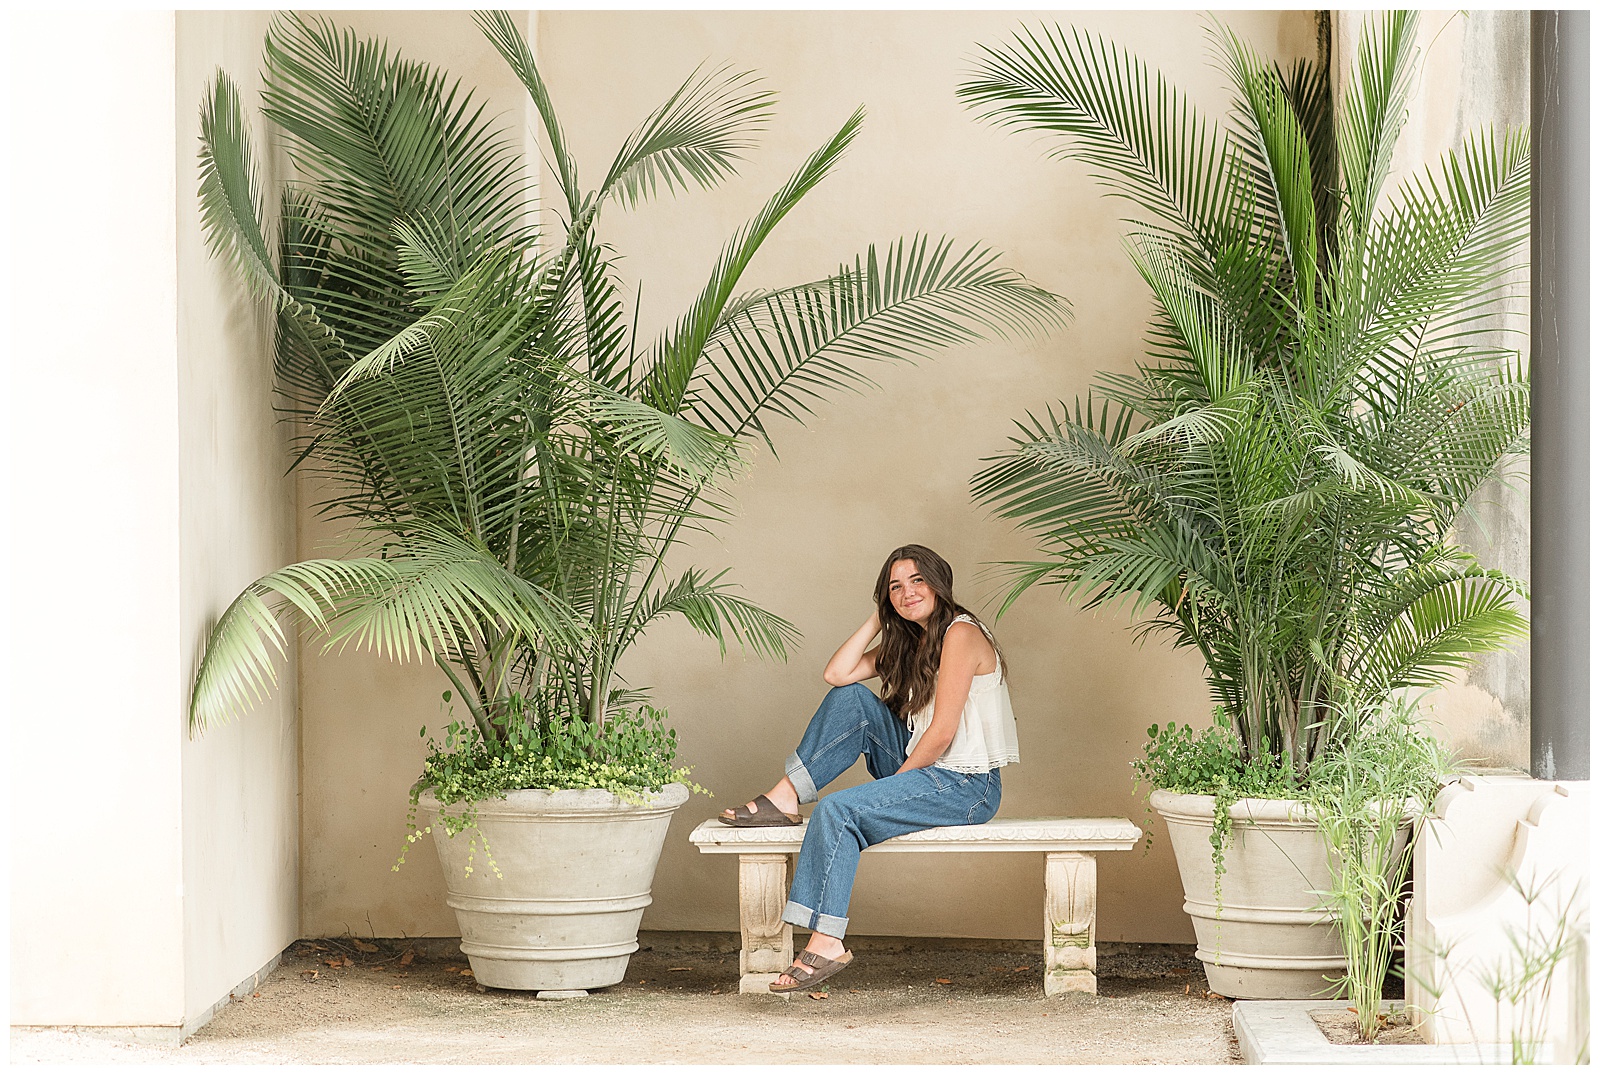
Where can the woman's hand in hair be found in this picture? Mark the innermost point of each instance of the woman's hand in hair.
(964, 654)
(853, 662)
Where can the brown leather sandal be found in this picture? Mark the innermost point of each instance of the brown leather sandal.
(764, 816)
(805, 976)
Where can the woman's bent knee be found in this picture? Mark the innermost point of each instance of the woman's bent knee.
(835, 812)
(829, 810)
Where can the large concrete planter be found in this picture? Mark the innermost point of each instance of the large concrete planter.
(1264, 938)
(575, 874)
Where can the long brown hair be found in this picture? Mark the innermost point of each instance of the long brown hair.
(908, 656)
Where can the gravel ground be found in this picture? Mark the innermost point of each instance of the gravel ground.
(906, 1001)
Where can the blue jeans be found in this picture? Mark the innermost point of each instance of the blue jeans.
(850, 723)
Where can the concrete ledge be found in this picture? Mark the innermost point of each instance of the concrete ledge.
(1282, 1032)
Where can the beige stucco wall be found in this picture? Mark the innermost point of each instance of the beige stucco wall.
(237, 522)
(869, 473)
(150, 873)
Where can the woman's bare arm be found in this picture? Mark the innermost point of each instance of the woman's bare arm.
(853, 662)
(964, 652)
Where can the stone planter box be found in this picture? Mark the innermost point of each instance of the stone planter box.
(1282, 1032)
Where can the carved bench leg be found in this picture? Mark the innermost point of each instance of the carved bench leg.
(1069, 906)
(767, 946)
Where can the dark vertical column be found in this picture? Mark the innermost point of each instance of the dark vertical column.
(1559, 371)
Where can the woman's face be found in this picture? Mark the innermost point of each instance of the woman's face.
(910, 595)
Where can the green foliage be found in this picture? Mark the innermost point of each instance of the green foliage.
(1213, 763)
(514, 462)
(1176, 760)
(1389, 756)
(636, 755)
(1276, 484)
(1366, 792)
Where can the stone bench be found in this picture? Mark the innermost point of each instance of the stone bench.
(1069, 845)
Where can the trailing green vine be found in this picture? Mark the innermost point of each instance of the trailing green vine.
(1212, 763)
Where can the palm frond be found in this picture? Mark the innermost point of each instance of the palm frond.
(1272, 140)
(1438, 630)
(607, 342)
(679, 353)
(1438, 262)
(490, 294)
(715, 611)
(1213, 352)
(502, 32)
(416, 604)
(697, 136)
(1017, 577)
(779, 352)
(231, 209)
(1136, 133)
(445, 586)
(1311, 97)
(1374, 111)
(388, 140)
(1362, 478)
(1208, 423)
(429, 258)
(439, 423)
(1065, 478)
(696, 453)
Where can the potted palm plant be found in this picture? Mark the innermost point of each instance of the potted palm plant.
(515, 464)
(1277, 483)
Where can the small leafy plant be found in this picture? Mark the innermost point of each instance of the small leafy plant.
(636, 755)
(1213, 763)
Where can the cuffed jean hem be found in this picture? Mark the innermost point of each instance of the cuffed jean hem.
(795, 769)
(799, 915)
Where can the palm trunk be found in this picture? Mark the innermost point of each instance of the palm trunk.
(475, 705)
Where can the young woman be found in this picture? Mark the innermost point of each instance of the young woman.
(934, 744)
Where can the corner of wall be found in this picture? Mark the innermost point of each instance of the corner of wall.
(236, 508)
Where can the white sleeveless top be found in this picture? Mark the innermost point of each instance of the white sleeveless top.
(986, 738)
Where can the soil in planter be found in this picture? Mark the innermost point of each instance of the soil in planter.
(1339, 1027)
